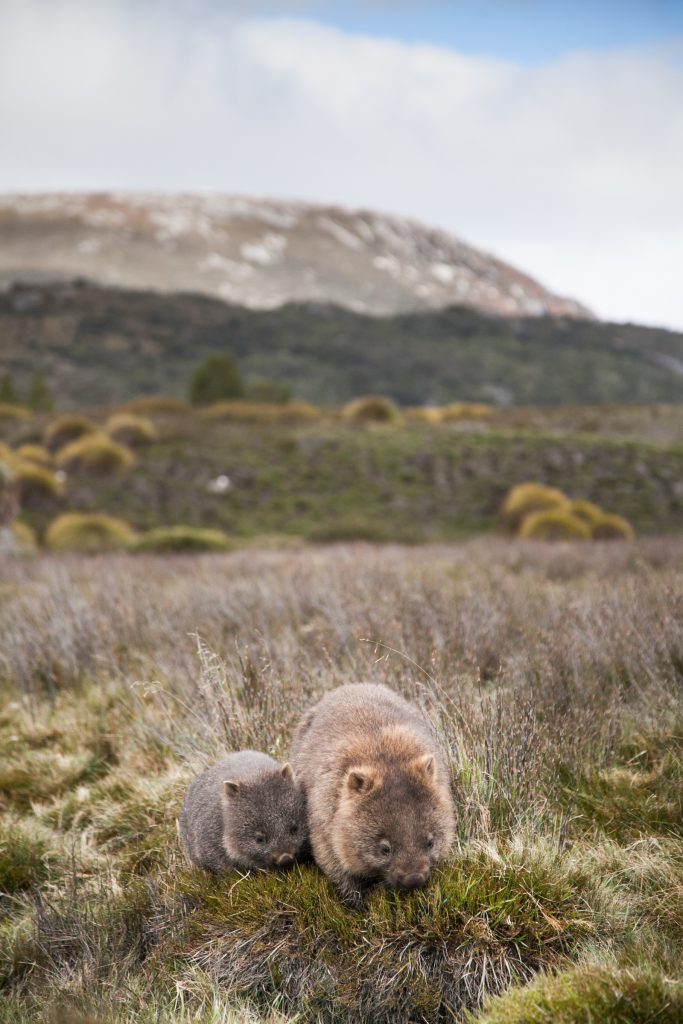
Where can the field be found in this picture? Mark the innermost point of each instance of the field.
(554, 675)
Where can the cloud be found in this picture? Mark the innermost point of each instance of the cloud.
(570, 170)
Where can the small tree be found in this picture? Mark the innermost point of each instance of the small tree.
(216, 379)
(7, 390)
(40, 397)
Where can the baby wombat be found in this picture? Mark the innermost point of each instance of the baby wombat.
(247, 811)
(379, 803)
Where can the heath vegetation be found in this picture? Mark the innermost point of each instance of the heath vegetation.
(553, 675)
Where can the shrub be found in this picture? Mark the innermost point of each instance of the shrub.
(34, 453)
(25, 536)
(36, 484)
(88, 533)
(466, 411)
(95, 453)
(182, 539)
(525, 499)
(372, 409)
(612, 527)
(262, 412)
(555, 524)
(590, 993)
(66, 429)
(217, 378)
(156, 405)
(130, 429)
(585, 510)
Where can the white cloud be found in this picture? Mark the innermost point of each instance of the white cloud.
(572, 170)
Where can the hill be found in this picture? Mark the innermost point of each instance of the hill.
(260, 253)
(102, 345)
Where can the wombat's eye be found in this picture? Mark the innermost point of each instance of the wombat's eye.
(260, 838)
(430, 842)
(293, 830)
(384, 847)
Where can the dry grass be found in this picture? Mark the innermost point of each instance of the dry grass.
(554, 675)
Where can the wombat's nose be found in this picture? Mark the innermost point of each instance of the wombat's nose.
(413, 881)
(283, 860)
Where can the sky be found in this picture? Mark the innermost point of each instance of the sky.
(548, 133)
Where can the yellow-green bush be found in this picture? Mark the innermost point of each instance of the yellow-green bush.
(95, 453)
(130, 429)
(466, 411)
(66, 429)
(35, 453)
(88, 533)
(261, 412)
(182, 539)
(372, 409)
(586, 510)
(525, 499)
(157, 405)
(25, 536)
(612, 527)
(554, 524)
(36, 483)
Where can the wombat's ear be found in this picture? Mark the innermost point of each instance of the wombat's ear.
(425, 766)
(360, 780)
(287, 773)
(230, 788)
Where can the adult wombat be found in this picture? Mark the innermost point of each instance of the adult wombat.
(247, 811)
(377, 791)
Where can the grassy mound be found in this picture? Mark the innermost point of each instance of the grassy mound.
(35, 453)
(612, 527)
(37, 484)
(130, 429)
(88, 534)
(66, 429)
(457, 411)
(182, 539)
(96, 454)
(526, 499)
(482, 923)
(587, 511)
(372, 409)
(591, 995)
(556, 524)
(422, 414)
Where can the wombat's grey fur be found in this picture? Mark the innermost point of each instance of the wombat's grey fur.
(377, 789)
(247, 811)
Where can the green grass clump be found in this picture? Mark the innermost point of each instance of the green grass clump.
(88, 533)
(555, 524)
(130, 429)
(35, 453)
(66, 429)
(97, 454)
(526, 499)
(182, 540)
(482, 922)
(612, 527)
(37, 484)
(372, 409)
(25, 856)
(590, 995)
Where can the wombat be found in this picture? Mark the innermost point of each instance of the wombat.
(247, 811)
(377, 790)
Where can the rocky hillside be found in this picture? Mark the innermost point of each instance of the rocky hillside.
(259, 253)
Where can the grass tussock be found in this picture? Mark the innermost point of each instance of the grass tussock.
(529, 499)
(37, 484)
(65, 429)
(553, 676)
(182, 540)
(95, 453)
(612, 527)
(130, 429)
(88, 534)
(36, 453)
(372, 409)
(555, 524)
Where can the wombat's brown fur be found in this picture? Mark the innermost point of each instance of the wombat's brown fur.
(377, 790)
(247, 811)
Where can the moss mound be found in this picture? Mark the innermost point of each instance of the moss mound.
(130, 429)
(481, 924)
(97, 454)
(372, 409)
(182, 539)
(36, 453)
(88, 534)
(612, 527)
(66, 429)
(526, 499)
(556, 524)
(590, 995)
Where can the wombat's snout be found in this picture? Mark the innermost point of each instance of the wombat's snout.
(413, 880)
(282, 860)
